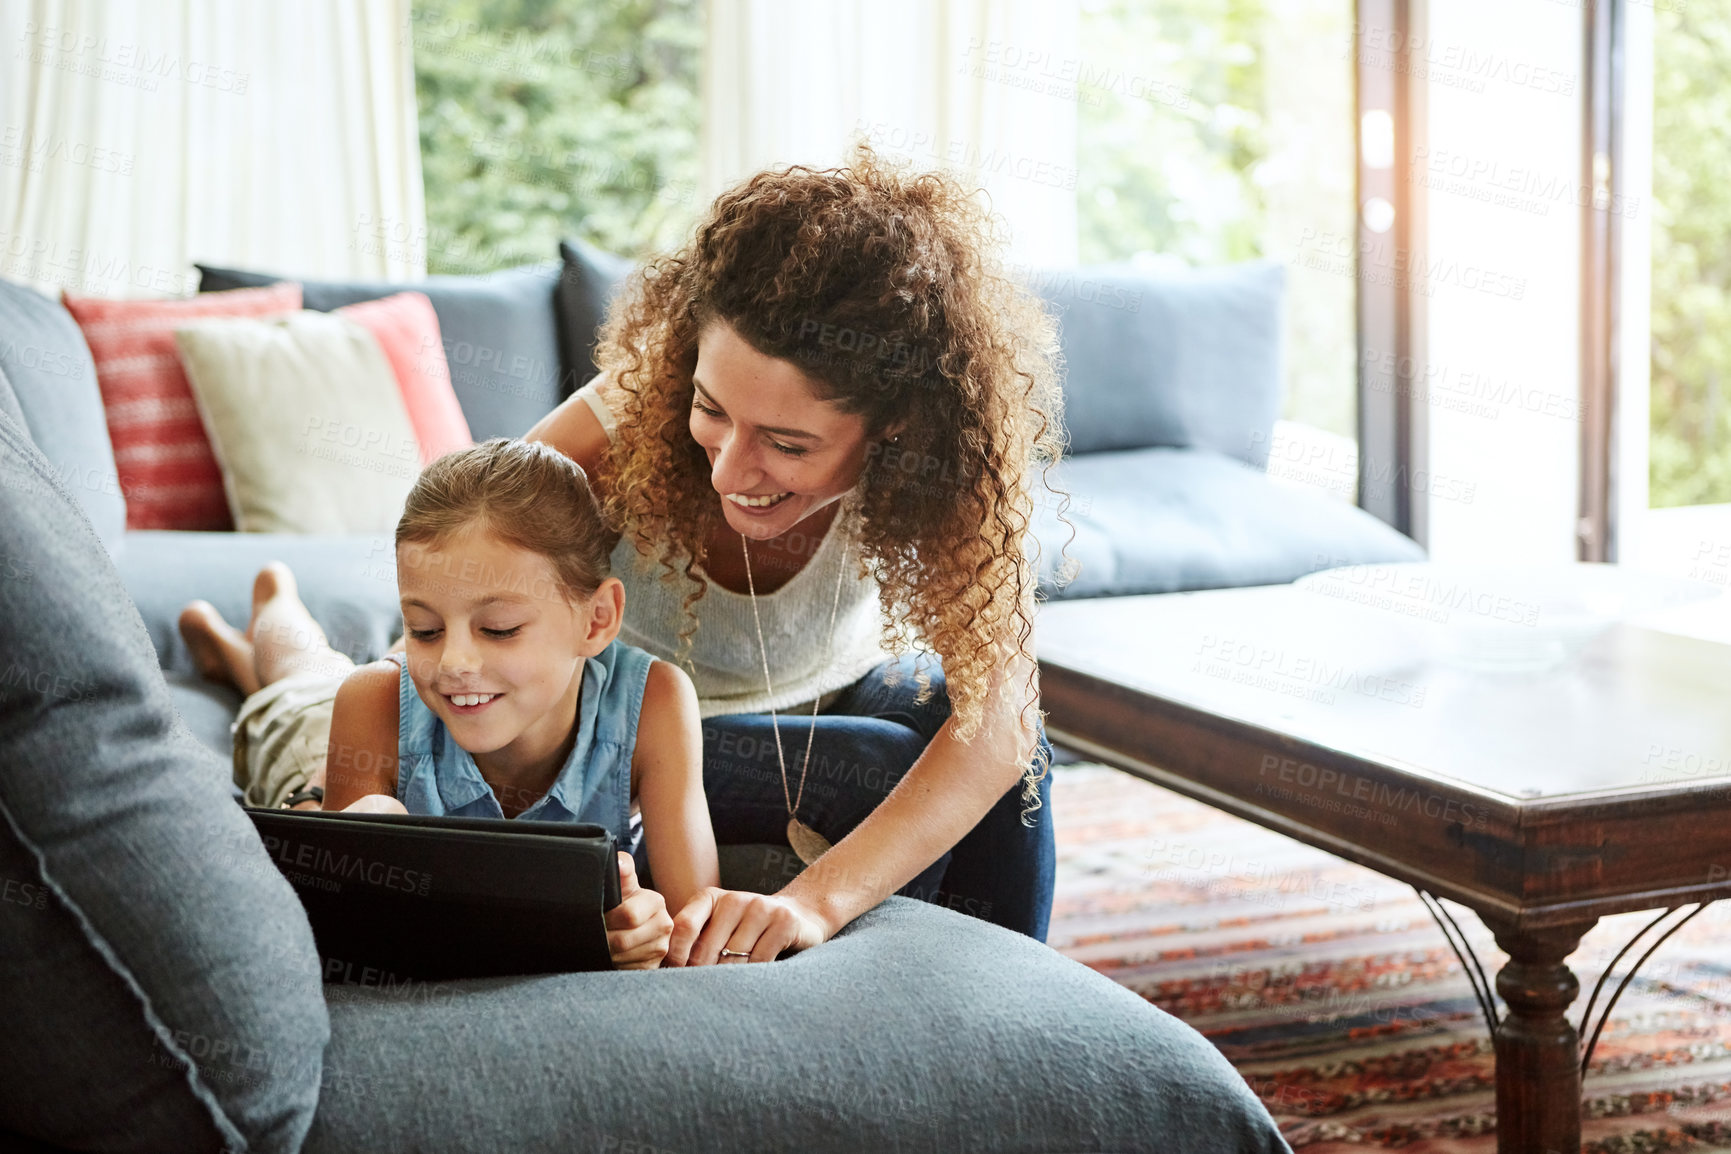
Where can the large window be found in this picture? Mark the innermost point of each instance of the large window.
(1209, 131)
(1690, 445)
(543, 120)
(1222, 130)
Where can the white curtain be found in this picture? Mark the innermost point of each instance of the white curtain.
(982, 88)
(138, 136)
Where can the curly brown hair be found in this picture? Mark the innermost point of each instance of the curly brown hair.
(883, 286)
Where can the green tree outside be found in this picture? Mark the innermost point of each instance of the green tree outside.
(1690, 443)
(1217, 131)
(542, 120)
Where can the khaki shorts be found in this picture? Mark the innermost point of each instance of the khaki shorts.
(280, 737)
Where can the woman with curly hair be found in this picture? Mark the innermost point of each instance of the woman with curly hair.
(818, 428)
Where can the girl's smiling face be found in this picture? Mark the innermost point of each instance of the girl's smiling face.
(495, 647)
(777, 451)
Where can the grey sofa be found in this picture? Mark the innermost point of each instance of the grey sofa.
(162, 992)
(917, 1029)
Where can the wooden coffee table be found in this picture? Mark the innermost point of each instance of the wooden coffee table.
(1543, 800)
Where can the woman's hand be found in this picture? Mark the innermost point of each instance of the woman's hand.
(762, 925)
(638, 927)
(375, 803)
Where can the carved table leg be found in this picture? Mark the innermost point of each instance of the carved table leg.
(1538, 1051)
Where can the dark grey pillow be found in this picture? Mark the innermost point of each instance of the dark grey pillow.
(43, 354)
(158, 979)
(9, 402)
(591, 276)
(1188, 359)
(499, 330)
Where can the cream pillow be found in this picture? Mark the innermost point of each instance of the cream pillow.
(306, 420)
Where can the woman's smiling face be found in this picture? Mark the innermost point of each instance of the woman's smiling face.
(777, 451)
(494, 648)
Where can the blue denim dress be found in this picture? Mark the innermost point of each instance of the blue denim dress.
(437, 776)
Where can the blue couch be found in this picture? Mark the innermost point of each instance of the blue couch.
(159, 980)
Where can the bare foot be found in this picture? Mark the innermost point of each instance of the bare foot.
(285, 638)
(220, 652)
(274, 580)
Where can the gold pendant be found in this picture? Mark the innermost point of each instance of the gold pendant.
(806, 842)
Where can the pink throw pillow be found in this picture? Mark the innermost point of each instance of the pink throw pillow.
(407, 328)
(168, 473)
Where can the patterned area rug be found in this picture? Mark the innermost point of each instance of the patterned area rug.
(1333, 992)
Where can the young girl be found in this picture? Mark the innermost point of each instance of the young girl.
(512, 697)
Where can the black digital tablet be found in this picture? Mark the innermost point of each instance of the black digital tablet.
(393, 897)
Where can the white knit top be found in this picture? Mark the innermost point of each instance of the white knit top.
(725, 663)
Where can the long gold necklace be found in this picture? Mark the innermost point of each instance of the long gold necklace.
(806, 842)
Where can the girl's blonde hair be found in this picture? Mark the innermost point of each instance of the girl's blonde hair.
(527, 494)
(883, 287)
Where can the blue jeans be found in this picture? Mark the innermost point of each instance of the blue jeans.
(1001, 871)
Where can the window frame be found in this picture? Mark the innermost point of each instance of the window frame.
(1393, 432)
(1602, 90)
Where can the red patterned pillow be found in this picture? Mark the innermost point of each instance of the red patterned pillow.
(167, 470)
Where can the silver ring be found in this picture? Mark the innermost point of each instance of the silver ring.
(727, 953)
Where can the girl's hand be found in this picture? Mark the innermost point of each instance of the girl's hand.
(638, 927)
(762, 925)
(375, 803)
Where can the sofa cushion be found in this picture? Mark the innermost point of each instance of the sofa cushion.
(53, 380)
(1186, 359)
(170, 475)
(349, 584)
(916, 1028)
(499, 330)
(407, 330)
(158, 979)
(306, 417)
(9, 404)
(1166, 520)
(587, 283)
